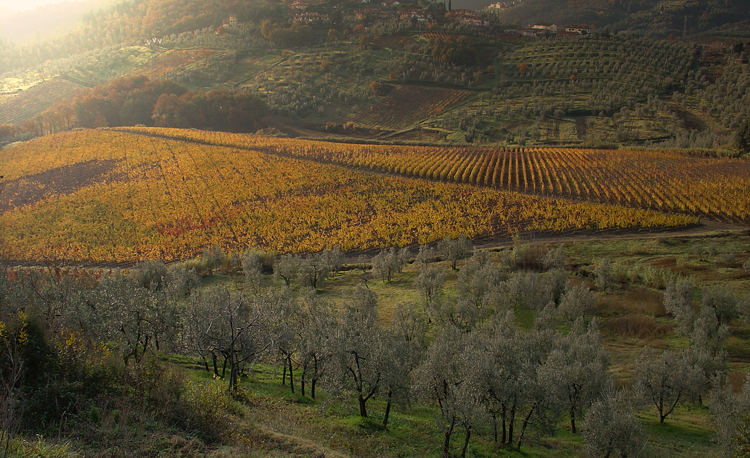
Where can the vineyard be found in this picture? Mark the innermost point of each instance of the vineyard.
(718, 188)
(407, 105)
(127, 196)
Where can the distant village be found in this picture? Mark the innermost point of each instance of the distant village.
(313, 13)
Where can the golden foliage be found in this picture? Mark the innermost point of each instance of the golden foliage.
(167, 198)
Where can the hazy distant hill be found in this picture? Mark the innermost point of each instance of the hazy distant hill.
(654, 16)
(44, 22)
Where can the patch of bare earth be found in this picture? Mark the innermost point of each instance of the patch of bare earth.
(64, 180)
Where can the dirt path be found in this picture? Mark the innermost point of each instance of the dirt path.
(707, 228)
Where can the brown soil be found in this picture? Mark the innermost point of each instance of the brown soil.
(59, 181)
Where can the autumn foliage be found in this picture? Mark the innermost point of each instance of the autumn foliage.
(167, 198)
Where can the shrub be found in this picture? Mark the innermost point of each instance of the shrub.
(603, 274)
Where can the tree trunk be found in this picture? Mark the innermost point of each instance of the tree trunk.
(362, 406)
(387, 410)
(447, 441)
(466, 441)
(494, 427)
(523, 427)
(291, 373)
(302, 378)
(511, 421)
(315, 377)
(216, 365)
(504, 430)
(232, 375)
(224, 367)
(572, 420)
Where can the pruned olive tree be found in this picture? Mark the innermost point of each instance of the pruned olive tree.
(316, 344)
(731, 413)
(430, 283)
(454, 250)
(577, 370)
(611, 428)
(446, 378)
(666, 379)
(359, 354)
(405, 346)
(234, 325)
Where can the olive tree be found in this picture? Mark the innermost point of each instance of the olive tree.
(316, 342)
(576, 302)
(252, 269)
(404, 348)
(446, 378)
(387, 263)
(577, 370)
(358, 357)
(611, 428)
(454, 250)
(125, 313)
(430, 283)
(731, 413)
(233, 325)
(666, 379)
(678, 301)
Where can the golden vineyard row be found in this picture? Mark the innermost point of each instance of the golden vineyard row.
(718, 188)
(166, 198)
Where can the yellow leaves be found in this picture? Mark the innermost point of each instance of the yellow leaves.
(180, 190)
(23, 334)
(2, 329)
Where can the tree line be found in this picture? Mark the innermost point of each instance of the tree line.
(139, 101)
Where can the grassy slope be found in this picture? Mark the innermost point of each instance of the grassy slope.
(688, 432)
(273, 422)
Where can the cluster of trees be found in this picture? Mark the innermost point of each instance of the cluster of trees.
(465, 354)
(138, 100)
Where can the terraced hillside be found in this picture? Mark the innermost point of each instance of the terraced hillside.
(120, 196)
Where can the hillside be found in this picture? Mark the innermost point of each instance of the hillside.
(121, 196)
(410, 74)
